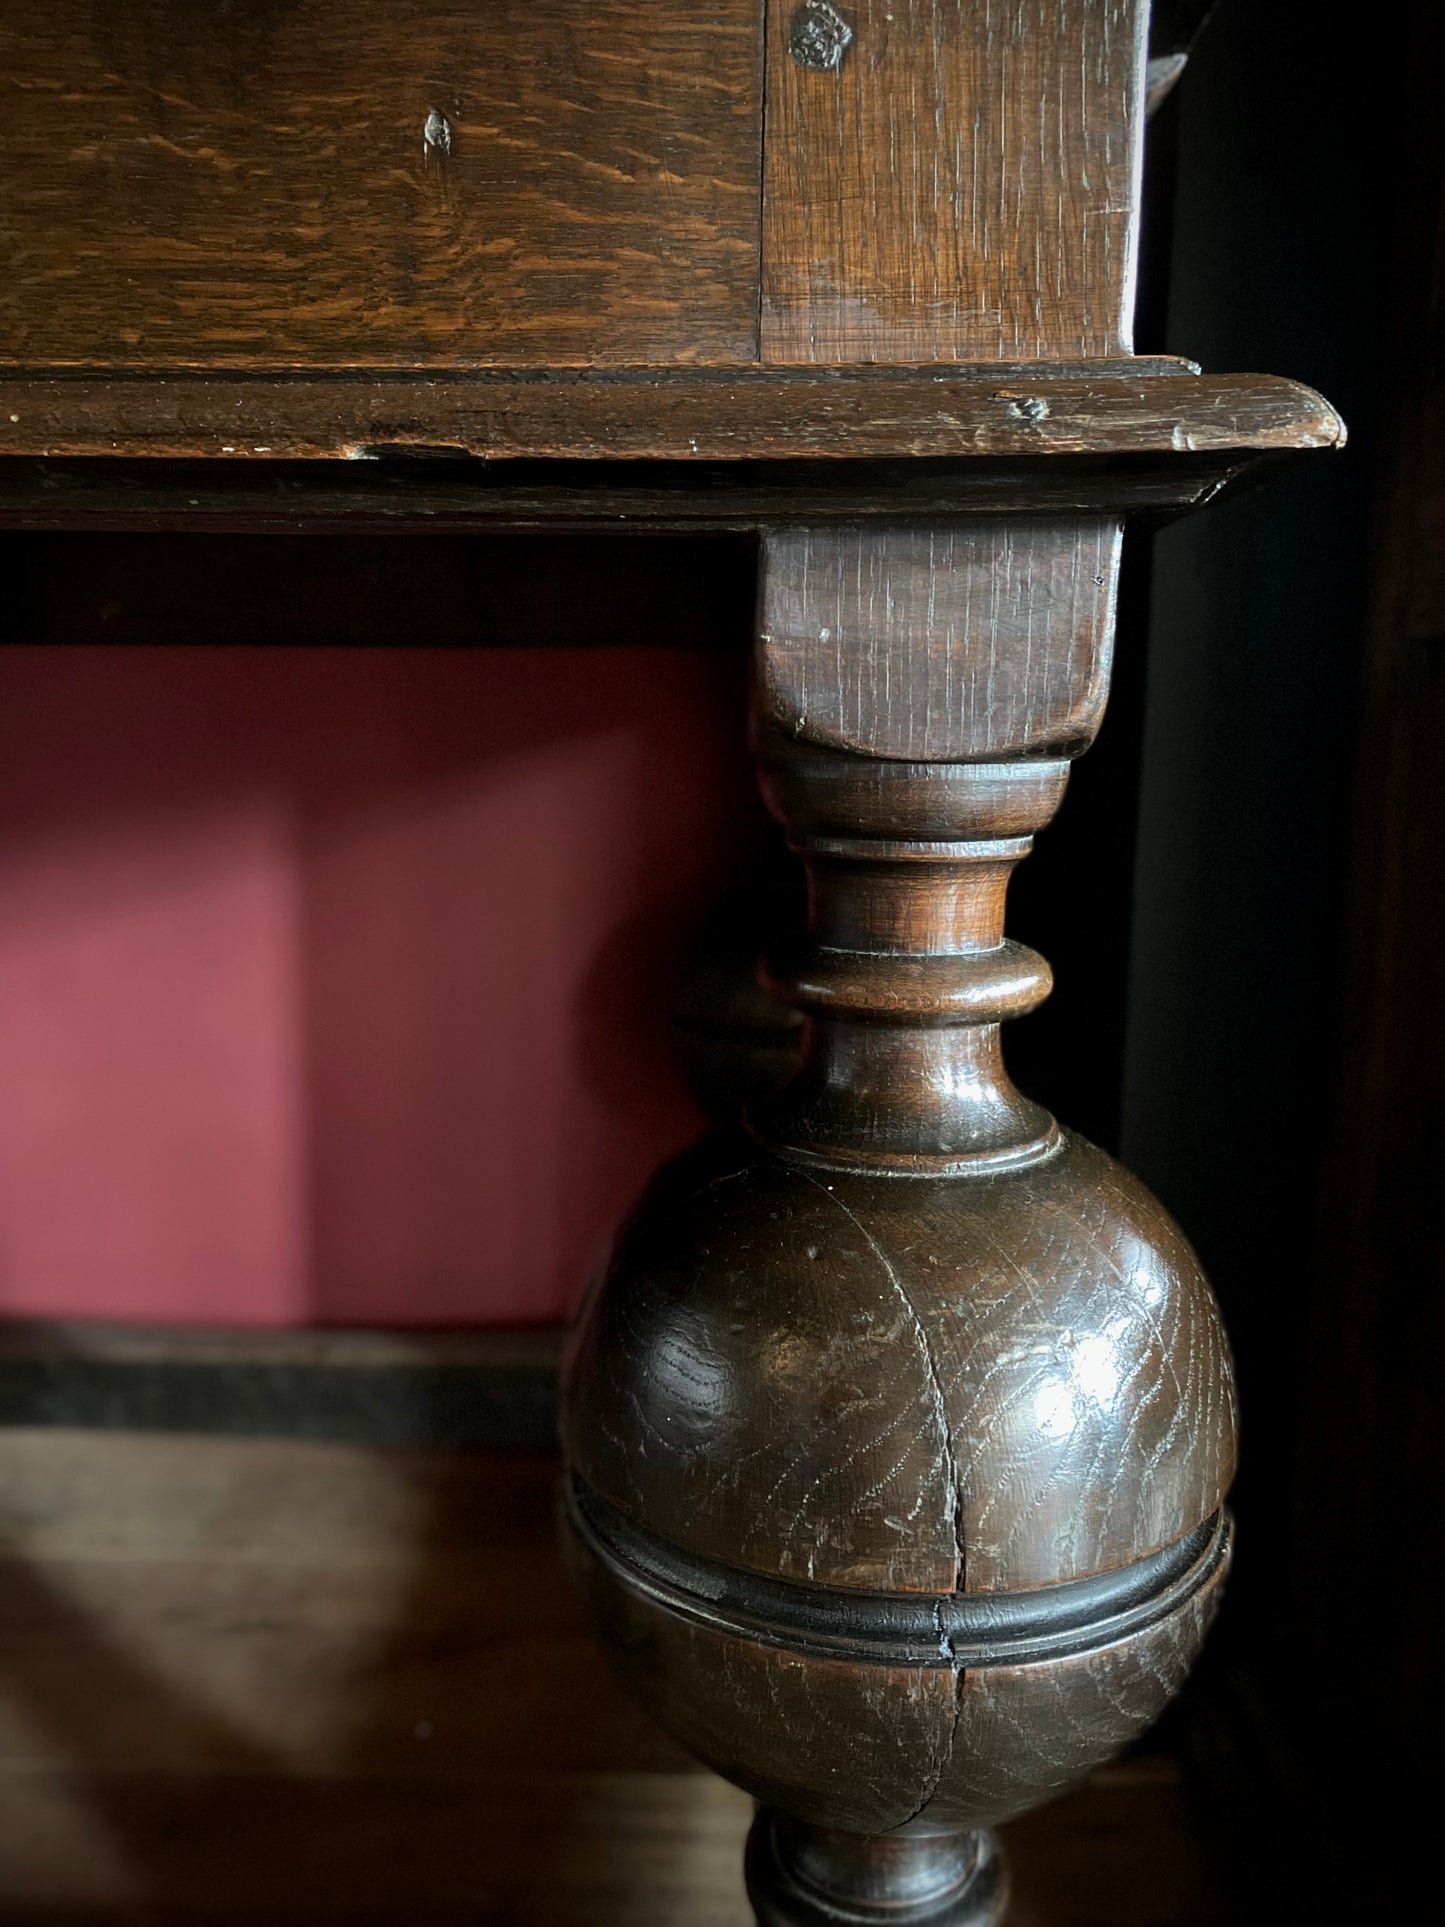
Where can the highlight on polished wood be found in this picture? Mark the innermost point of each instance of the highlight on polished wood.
(899, 1424)
(264, 1679)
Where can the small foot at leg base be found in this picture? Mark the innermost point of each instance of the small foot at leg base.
(803, 1876)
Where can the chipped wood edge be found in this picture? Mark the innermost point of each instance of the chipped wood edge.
(234, 420)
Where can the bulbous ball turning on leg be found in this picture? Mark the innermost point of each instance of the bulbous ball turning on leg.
(899, 1431)
(899, 1499)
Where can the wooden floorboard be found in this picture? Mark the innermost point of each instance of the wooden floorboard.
(279, 1681)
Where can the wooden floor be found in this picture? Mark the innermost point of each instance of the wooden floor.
(259, 1681)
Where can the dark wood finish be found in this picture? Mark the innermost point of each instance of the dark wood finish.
(962, 180)
(798, 1874)
(734, 453)
(287, 186)
(909, 642)
(305, 185)
(908, 1340)
(944, 1428)
(899, 1425)
(873, 1736)
(682, 497)
(1001, 413)
(218, 1653)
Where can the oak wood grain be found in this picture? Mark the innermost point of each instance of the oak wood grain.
(165, 1601)
(990, 1384)
(909, 1343)
(869, 1748)
(1153, 408)
(906, 1358)
(963, 181)
(290, 183)
(941, 642)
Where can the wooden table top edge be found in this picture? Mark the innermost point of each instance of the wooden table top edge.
(1005, 412)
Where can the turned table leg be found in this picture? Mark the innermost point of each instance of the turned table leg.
(900, 1426)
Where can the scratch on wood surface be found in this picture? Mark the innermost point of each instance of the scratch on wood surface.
(966, 184)
(940, 641)
(953, 1483)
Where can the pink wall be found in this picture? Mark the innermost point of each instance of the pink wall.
(334, 982)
